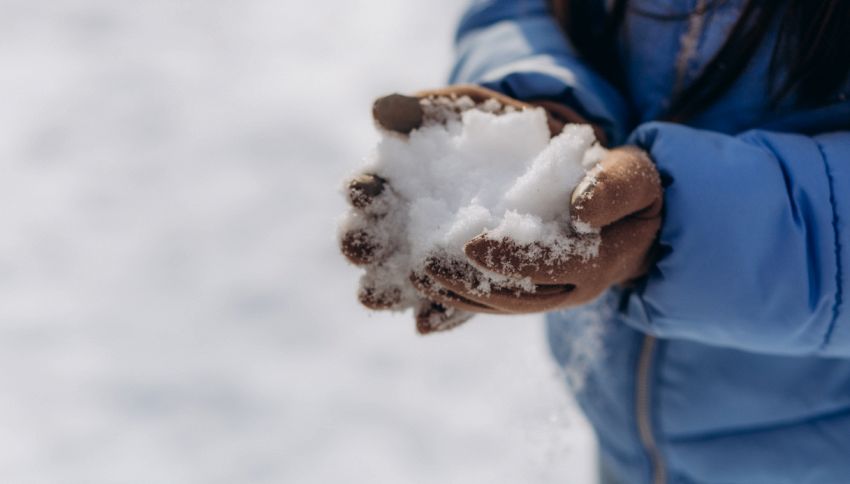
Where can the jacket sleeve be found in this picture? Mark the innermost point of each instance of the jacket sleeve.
(516, 47)
(754, 243)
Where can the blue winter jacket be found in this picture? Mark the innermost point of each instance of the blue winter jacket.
(731, 362)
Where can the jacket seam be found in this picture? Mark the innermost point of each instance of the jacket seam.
(839, 279)
(655, 408)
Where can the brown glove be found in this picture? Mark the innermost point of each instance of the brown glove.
(372, 199)
(617, 206)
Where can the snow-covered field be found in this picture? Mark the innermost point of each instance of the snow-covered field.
(174, 309)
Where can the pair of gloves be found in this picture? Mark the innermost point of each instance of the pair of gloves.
(619, 201)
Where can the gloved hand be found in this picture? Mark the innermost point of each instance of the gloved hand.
(617, 206)
(447, 289)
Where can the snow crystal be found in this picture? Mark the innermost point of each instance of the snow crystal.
(471, 170)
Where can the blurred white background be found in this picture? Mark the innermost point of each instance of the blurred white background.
(174, 309)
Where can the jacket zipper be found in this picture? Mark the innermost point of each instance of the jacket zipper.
(643, 402)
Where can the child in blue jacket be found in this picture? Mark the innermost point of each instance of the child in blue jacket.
(728, 361)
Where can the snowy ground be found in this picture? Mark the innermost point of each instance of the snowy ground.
(174, 309)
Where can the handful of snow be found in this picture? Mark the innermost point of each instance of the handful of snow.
(470, 169)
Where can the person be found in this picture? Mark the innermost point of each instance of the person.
(725, 351)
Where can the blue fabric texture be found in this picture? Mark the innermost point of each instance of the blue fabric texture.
(749, 377)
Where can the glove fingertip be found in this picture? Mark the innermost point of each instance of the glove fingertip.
(432, 317)
(378, 298)
(585, 210)
(480, 251)
(364, 189)
(398, 113)
(502, 256)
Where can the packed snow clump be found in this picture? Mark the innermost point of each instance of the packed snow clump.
(469, 170)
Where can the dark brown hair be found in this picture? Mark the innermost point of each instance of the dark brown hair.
(810, 61)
